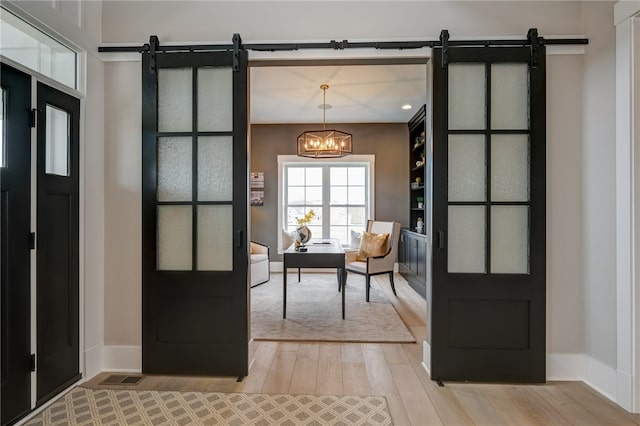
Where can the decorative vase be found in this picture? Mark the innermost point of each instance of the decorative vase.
(303, 234)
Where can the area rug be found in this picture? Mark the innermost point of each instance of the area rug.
(83, 406)
(314, 311)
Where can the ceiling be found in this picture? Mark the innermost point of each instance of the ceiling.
(357, 93)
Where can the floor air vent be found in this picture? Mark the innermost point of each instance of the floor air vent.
(120, 379)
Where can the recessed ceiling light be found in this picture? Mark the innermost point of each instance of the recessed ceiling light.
(406, 106)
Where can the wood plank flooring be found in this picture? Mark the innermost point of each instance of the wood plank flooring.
(395, 371)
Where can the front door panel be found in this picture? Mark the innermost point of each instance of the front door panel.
(15, 194)
(57, 237)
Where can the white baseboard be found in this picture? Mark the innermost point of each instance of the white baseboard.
(565, 367)
(624, 390)
(127, 359)
(612, 384)
(602, 378)
(93, 361)
(426, 357)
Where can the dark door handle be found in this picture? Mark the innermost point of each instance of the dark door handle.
(239, 238)
(440, 239)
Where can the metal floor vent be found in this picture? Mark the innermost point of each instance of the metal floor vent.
(119, 379)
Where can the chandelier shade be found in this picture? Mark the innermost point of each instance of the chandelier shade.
(324, 143)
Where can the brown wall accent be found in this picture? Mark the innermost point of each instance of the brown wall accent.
(387, 141)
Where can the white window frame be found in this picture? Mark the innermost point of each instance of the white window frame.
(289, 160)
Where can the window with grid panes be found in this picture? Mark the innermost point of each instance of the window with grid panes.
(338, 193)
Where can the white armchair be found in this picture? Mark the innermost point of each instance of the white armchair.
(259, 270)
(379, 264)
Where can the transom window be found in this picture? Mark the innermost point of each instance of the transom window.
(339, 192)
(28, 46)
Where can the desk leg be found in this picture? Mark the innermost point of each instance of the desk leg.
(284, 292)
(343, 283)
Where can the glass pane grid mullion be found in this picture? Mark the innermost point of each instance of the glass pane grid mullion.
(194, 166)
(177, 134)
(488, 170)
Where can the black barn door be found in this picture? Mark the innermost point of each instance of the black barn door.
(15, 181)
(57, 237)
(194, 214)
(488, 321)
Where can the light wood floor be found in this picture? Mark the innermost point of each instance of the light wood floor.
(395, 371)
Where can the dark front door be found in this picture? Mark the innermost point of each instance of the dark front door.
(15, 181)
(57, 242)
(488, 321)
(194, 214)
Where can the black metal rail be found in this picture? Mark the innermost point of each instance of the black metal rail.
(531, 39)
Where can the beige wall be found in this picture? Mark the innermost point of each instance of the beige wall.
(598, 180)
(389, 143)
(565, 312)
(123, 204)
(262, 22)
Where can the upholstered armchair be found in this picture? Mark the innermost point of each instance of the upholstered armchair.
(382, 262)
(259, 270)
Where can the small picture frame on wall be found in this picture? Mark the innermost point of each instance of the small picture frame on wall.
(257, 198)
(256, 179)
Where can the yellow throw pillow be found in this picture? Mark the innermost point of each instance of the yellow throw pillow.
(372, 245)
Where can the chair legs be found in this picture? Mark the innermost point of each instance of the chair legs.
(368, 286)
(393, 286)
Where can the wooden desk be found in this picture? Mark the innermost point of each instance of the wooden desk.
(319, 254)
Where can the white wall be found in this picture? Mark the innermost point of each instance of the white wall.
(94, 222)
(133, 22)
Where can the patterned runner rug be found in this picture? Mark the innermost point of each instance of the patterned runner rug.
(83, 406)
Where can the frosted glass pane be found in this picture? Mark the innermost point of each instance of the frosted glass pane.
(57, 142)
(175, 104)
(215, 99)
(467, 96)
(510, 168)
(174, 238)
(174, 169)
(215, 238)
(510, 96)
(466, 239)
(215, 168)
(3, 129)
(467, 171)
(510, 239)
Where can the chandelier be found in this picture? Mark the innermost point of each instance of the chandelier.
(324, 143)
